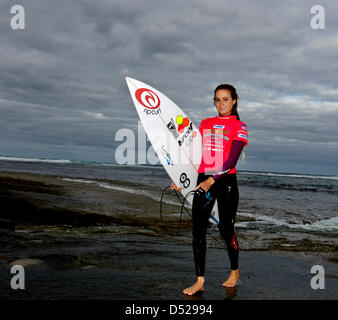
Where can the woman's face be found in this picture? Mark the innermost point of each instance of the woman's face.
(224, 102)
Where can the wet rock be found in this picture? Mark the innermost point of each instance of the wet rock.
(25, 262)
(7, 224)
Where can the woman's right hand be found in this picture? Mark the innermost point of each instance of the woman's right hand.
(174, 187)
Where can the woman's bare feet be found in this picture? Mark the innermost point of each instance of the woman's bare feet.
(198, 286)
(232, 280)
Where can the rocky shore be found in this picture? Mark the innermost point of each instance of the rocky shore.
(72, 245)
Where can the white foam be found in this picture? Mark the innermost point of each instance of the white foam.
(79, 180)
(330, 225)
(269, 174)
(261, 219)
(326, 225)
(35, 160)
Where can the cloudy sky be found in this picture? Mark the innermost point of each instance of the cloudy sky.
(63, 93)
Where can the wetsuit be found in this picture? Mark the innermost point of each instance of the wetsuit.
(223, 139)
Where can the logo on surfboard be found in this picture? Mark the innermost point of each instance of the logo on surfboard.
(185, 181)
(182, 124)
(167, 156)
(148, 99)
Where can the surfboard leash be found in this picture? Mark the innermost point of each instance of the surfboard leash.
(181, 214)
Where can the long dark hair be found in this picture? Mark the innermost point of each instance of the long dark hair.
(234, 96)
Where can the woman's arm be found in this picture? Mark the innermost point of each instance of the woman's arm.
(235, 152)
(236, 149)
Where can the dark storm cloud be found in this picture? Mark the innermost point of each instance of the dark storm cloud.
(62, 88)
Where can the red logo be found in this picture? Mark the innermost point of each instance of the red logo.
(149, 99)
(182, 123)
(234, 242)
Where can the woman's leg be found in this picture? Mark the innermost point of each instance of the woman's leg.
(227, 198)
(201, 210)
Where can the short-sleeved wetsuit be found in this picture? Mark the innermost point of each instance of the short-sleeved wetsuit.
(223, 139)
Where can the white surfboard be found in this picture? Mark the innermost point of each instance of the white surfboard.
(175, 139)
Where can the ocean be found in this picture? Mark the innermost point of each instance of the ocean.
(276, 210)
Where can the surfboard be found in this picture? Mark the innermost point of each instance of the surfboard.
(174, 137)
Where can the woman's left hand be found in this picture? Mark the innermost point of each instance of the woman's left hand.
(206, 184)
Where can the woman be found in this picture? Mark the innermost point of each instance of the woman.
(223, 139)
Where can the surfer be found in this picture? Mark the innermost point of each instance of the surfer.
(223, 139)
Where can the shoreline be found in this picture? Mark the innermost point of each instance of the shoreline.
(74, 246)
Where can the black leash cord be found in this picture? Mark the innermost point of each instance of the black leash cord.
(181, 214)
(182, 206)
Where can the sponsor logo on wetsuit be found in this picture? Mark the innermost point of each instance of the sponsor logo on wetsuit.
(216, 134)
(148, 99)
(234, 243)
(241, 135)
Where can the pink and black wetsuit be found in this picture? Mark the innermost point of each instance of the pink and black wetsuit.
(223, 140)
